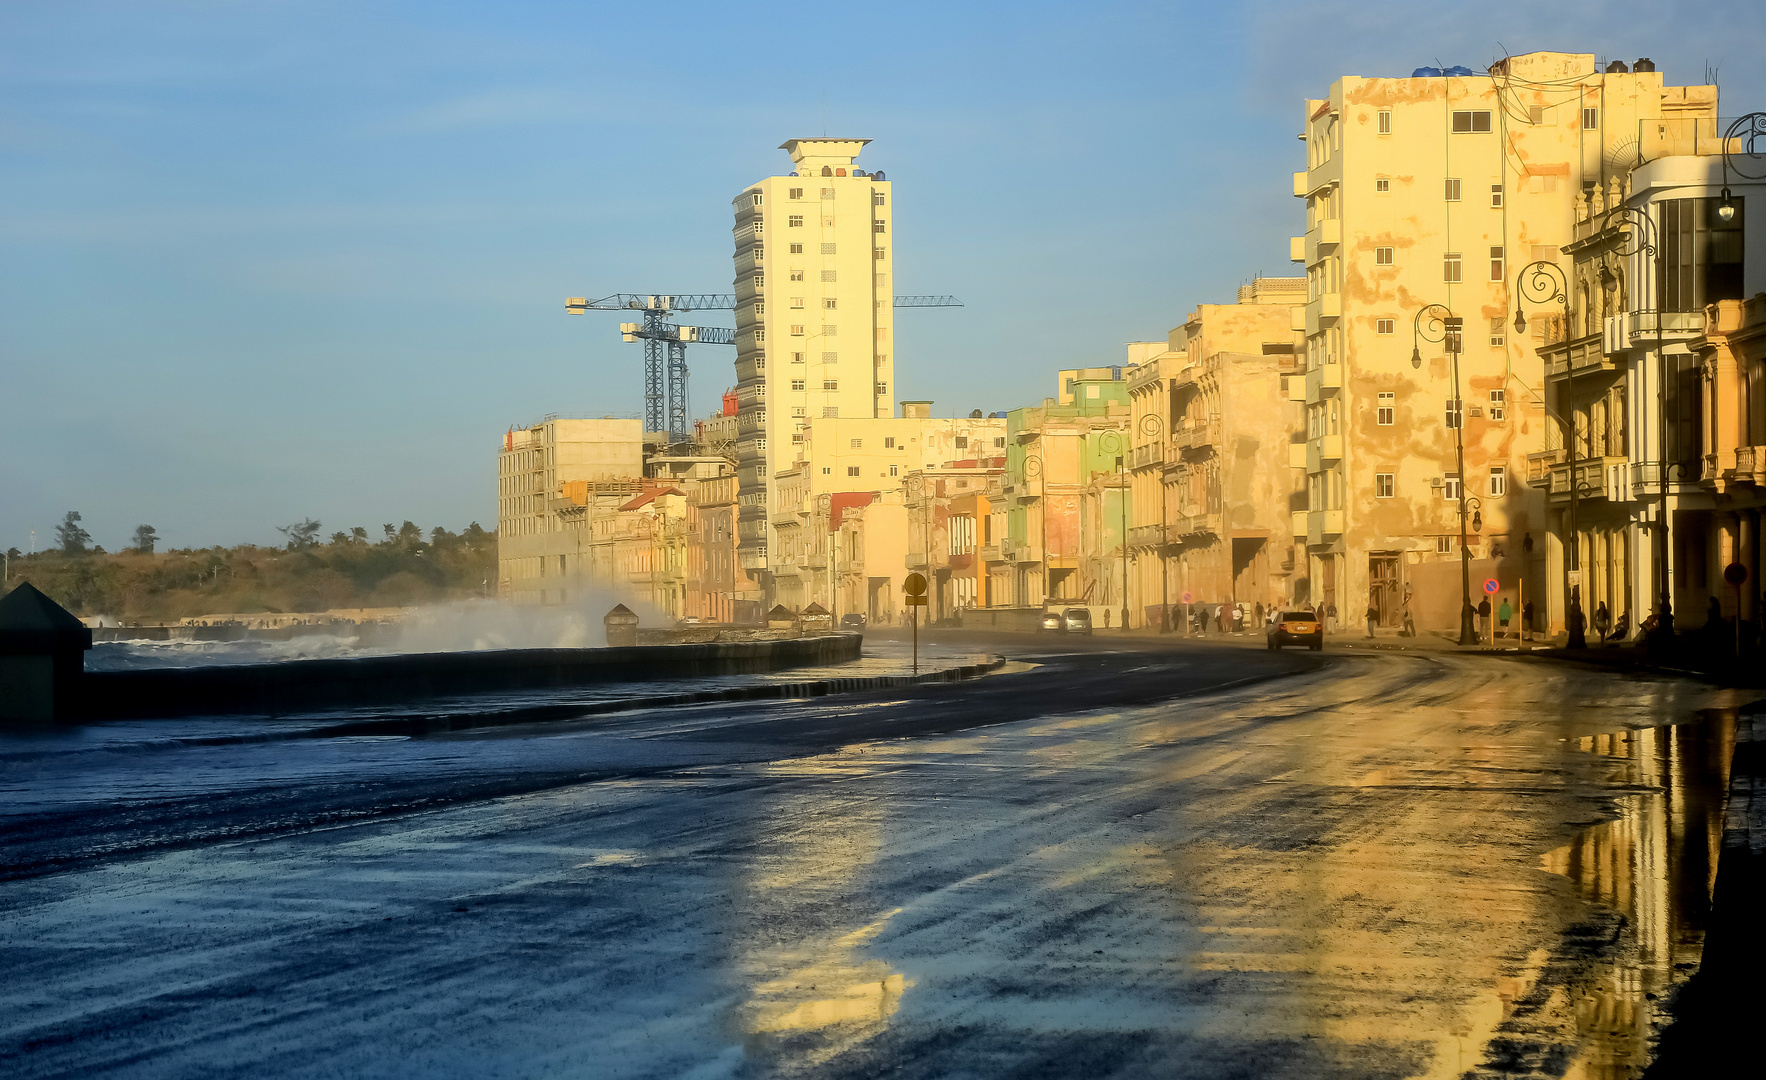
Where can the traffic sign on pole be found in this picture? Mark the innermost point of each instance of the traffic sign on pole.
(1491, 585)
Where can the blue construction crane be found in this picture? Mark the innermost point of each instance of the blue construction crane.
(665, 344)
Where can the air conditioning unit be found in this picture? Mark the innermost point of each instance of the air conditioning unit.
(1437, 482)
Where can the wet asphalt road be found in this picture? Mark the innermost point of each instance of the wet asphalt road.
(1132, 858)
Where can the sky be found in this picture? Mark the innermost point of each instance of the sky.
(274, 260)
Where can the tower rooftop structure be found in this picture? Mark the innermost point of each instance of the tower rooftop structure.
(808, 154)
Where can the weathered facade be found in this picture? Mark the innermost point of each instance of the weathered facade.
(546, 473)
(1213, 495)
(712, 590)
(1433, 190)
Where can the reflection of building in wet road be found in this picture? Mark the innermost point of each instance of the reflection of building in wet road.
(1393, 865)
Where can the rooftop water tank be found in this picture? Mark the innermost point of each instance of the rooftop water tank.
(1617, 67)
(1644, 63)
(1459, 70)
(1426, 73)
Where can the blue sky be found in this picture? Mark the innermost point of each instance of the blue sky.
(260, 261)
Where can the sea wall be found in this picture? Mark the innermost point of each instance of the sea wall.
(317, 685)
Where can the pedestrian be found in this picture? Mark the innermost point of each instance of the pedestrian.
(1622, 628)
(1409, 623)
(1331, 615)
(1484, 618)
(1106, 618)
(1527, 621)
(1503, 615)
(1373, 616)
(1603, 621)
(1257, 614)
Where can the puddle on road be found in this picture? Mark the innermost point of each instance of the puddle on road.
(1648, 876)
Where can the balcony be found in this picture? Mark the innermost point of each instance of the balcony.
(1646, 476)
(1146, 536)
(1330, 305)
(1637, 329)
(1596, 478)
(1576, 357)
(1195, 433)
(1297, 524)
(1750, 465)
(992, 553)
(1149, 454)
(1322, 525)
(1143, 376)
(1322, 449)
(1297, 249)
(1299, 185)
(1196, 525)
(1297, 388)
(1321, 378)
(1539, 465)
(1297, 456)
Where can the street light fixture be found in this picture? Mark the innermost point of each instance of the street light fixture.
(1153, 427)
(1438, 323)
(1543, 282)
(1749, 128)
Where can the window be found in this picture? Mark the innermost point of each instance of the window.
(759, 280)
(829, 303)
(759, 253)
(796, 329)
(797, 275)
(895, 470)
(1535, 114)
(852, 470)
(1385, 326)
(827, 221)
(799, 410)
(1452, 189)
(882, 389)
(797, 301)
(1388, 409)
(797, 437)
(760, 362)
(829, 275)
(830, 384)
(878, 226)
(1471, 121)
(1702, 255)
(759, 334)
(962, 442)
(1498, 331)
(999, 442)
(1450, 487)
(827, 249)
(830, 330)
(827, 193)
(1383, 122)
(1454, 414)
(1495, 195)
(760, 444)
(1496, 261)
(857, 444)
(1443, 545)
(1498, 404)
(1383, 186)
(759, 308)
(1499, 480)
(795, 221)
(827, 470)
(876, 198)
(889, 442)
(797, 249)
(797, 193)
(797, 358)
(830, 411)
(797, 384)
(877, 253)
(1383, 485)
(1383, 256)
(830, 358)
(1590, 119)
(1450, 267)
(757, 198)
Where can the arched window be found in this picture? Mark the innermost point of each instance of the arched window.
(826, 171)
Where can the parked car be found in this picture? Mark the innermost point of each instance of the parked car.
(1296, 628)
(852, 620)
(1076, 620)
(1051, 623)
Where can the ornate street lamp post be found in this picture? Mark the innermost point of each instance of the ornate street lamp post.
(1749, 128)
(1116, 442)
(1436, 323)
(1543, 282)
(1033, 470)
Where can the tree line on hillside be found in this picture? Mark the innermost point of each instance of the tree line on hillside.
(304, 574)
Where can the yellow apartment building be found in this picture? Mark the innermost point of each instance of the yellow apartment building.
(1433, 190)
(813, 316)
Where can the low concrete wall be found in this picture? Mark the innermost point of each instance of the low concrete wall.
(1001, 618)
(307, 685)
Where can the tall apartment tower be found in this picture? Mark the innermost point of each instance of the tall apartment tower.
(1438, 189)
(813, 316)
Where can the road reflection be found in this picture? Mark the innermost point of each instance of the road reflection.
(812, 991)
(1650, 873)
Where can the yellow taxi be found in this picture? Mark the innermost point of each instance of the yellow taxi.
(1299, 627)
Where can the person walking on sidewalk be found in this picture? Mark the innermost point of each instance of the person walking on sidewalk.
(1484, 620)
(1373, 616)
(1503, 615)
(1603, 621)
(1527, 621)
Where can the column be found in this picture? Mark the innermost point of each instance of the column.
(1750, 558)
